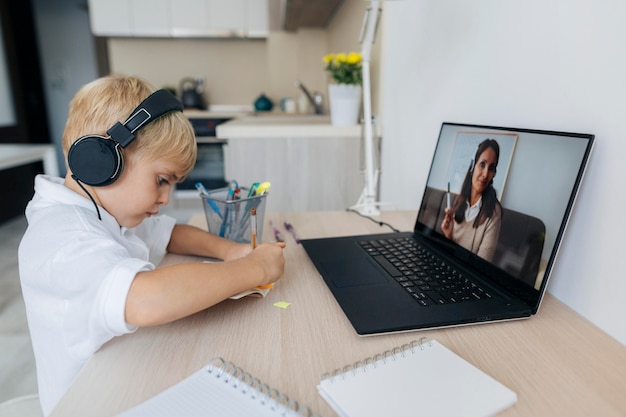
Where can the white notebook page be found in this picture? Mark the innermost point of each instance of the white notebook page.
(428, 381)
(204, 394)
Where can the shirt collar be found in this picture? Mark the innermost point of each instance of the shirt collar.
(53, 191)
(472, 211)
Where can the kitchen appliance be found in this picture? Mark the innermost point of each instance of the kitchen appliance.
(263, 103)
(209, 168)
(191, 93)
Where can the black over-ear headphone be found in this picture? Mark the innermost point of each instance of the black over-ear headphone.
(98, 160)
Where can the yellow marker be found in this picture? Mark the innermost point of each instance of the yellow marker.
(263, 188)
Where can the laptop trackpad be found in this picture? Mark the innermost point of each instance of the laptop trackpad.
(352, 272)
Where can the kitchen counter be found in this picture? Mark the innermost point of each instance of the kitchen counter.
(311, 164)
(280, 125)
(12, 155)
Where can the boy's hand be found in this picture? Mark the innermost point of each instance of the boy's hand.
(269, 256)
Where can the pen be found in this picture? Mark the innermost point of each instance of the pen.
(253, 242)
(253, 227)
(205, 193)
(226, 221)
(231, 190)
(291, 230)
(250, 202)
(448, 196)
(253, 188)
(277, 235)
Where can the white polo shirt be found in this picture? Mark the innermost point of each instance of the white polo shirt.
(75, 272)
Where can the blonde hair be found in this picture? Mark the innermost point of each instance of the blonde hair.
(97, 106)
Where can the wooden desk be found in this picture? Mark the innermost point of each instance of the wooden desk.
(558, 363)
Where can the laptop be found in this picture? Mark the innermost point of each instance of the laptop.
(492, 216)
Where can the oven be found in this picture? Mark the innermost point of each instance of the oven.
(209, 168)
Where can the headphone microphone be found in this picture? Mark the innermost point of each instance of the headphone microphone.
(98, 160)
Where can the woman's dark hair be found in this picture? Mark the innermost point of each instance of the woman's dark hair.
(489, 199)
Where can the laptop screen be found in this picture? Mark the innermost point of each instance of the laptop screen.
(500, 198)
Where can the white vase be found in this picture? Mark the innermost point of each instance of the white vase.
(345, 101)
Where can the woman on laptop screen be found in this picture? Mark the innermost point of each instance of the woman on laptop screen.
(473, 220)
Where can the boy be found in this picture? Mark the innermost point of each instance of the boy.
(87, 260)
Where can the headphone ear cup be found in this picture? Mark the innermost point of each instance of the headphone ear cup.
(95, 160)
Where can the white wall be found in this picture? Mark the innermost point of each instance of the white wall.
(557, 65)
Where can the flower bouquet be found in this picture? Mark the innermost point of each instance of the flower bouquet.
(345, 93)
(345, 68)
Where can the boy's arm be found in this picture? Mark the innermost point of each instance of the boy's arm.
(190, 240)
(176, 291)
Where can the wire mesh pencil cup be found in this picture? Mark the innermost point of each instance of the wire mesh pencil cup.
(231, 218)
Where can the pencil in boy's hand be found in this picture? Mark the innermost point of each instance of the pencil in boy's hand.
(253, 242)
(253, 227)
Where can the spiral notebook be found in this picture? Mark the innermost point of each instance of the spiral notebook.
(422, 378)
(219, 389)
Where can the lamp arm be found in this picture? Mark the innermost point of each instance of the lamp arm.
(367, 37)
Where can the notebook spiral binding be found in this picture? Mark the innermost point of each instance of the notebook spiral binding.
(377, 360)
(247, 384)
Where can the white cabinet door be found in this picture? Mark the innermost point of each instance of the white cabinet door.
(179, 18)
(110, 17)
(151, 17)
(307, 174)
(257, 18)
(190, 18)
(227, 18)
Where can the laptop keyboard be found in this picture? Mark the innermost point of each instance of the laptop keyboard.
(421, 273)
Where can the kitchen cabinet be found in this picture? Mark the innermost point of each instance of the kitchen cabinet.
(311, 164)
(110, 17)
(190, 18)
(307, 174)
(257, 15)
(19, 164)
(179, 18)
(150, 17)
(228, 17)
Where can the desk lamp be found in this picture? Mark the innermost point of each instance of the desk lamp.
(366, 204)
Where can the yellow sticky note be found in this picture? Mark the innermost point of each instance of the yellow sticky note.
(282, 304)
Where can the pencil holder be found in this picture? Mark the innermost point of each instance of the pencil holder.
(231, 218)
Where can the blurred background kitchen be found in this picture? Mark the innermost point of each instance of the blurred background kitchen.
(234, 54)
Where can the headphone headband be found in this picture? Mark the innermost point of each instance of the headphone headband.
(154, 106)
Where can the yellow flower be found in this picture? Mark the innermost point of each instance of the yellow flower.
(345, 68)
(353, 58)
